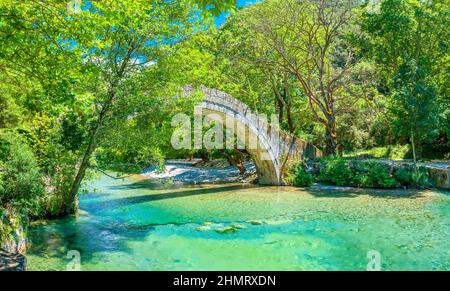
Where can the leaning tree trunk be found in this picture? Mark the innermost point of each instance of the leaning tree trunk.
(93, 139)
(70, 205)
(240, 165)
(236, 159)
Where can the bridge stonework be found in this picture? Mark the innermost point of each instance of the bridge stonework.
(275, 148)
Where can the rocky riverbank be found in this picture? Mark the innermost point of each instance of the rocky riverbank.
(13, 239)
(12, 262)
(193, 172)
(13, 229)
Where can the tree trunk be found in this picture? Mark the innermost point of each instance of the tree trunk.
(93, 139)
(413, 145)
(290, 121)
(332, 143)
(204, 155)
(235, 159)
(70, 205)
(288, 103)
(240, 165)
(280, 108)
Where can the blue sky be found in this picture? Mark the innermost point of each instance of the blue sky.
(218, 20)
(240, 3)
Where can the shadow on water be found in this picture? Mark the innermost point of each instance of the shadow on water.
(336, 192)
(163, 196)
(95, 236)
(143, 184)
(102, 233)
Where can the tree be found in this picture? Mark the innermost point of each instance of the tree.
(415, 105)
(122, 39)
(80, 67)
(306, 39)
(21, 182)
(408, 41)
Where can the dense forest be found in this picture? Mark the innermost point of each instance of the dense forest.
(92, 87)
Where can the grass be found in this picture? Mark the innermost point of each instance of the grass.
(387, 152)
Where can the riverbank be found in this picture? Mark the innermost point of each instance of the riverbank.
(13, 239)
(381, 173)
(12, 262)
(193, 172)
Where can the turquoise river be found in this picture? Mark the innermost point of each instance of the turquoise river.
(135, 224)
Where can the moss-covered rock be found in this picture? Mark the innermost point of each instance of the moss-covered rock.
(13, 230)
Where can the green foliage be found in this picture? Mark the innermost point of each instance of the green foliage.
(21, 182)
(301, 177)
(410, 176)
(374, 175)
(13, 227)
(102, 77)
(217, 6)
(408, 40)
(387, 152)
(9, 111)
(369, 174)
(77, 79)
(415, 103)
(337, 172)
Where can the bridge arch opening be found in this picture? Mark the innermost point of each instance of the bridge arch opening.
(263, 155)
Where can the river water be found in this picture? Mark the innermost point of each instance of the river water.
(137, 224)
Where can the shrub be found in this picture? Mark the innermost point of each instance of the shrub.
(337, 172)
(356, 173)
(370, 174)
(408, 176)
(376, 175)
(420, 177)
(20, 180)
(301, 178)
(404, 176)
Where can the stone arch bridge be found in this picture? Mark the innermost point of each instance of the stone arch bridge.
(275, 148)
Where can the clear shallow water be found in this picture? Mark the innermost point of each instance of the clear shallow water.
(133, 225)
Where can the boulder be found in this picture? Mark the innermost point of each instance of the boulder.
(12, 262)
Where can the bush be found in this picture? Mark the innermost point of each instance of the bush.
(404, 176)
(301, 178)
(337, 172)
(421, 177)
(376, 175)
(370, 174)
(20, 180)
(408, 176)
(342, 172)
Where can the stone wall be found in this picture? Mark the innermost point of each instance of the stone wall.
(440, 177)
